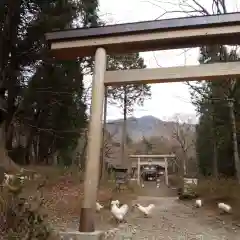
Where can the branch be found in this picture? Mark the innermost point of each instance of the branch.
(204, 10)
(181, 133)
(182, 5)
(197, 89)
(223, 2)
(189, 13)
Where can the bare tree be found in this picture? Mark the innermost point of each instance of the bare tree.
(183, 134)
(194, 8)
(190, 7)
(108, 145)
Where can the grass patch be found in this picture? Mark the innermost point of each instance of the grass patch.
(175, 181)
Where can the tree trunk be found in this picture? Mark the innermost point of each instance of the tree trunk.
(83, 152)
(55, 158)
(215, 152)
(102, 161)
(77, 153)
(234, 136)
(12, 68)
(124, 129)
(184, 166)
(28, 149)
(215, 159)
(5, 160)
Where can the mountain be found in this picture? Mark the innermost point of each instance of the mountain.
(147, 126)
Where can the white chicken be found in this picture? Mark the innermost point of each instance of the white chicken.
(115, 202)
(8, 178)
(146, 210)
(225, 207)
(119, 212)
(99, 207)
(198, 203)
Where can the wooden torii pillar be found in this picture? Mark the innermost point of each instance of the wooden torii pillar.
(135, 37)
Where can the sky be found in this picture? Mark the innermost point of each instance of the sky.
(167, 99)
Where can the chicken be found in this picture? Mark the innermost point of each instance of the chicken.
(99, 207)
(224, 207)
(8, 178)
(119, 212)
(22, 178)
(115, 202)
(145, 210)
(198, 203)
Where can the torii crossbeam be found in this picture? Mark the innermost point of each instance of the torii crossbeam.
(135, 37)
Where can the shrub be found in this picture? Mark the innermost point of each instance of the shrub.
(219, 189)
(175, 181)
(22, 218)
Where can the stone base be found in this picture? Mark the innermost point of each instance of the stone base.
(75, 235)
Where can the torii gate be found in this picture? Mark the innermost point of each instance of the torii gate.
(163, 163)
(137, 37)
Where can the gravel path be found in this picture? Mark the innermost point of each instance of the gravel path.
(173, 220)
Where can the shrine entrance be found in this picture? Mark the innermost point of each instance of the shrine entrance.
(153, 160)
(136, 37)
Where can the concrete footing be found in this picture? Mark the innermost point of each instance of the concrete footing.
(76, 235)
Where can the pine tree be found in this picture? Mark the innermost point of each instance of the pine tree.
(215, 142)
(43, 96)
(127, 96)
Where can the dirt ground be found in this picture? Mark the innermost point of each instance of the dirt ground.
(173, 220)
(151, 190)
